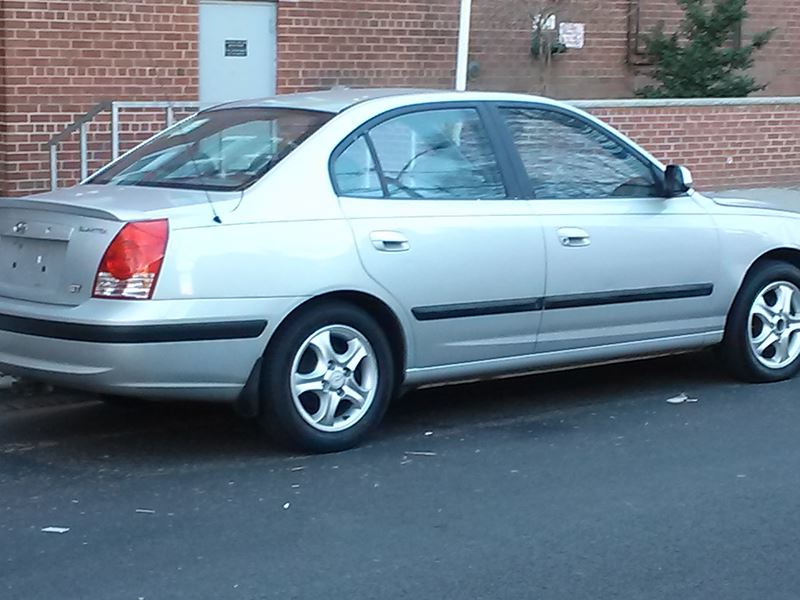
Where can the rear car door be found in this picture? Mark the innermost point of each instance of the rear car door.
(437, 223)
(624, 262)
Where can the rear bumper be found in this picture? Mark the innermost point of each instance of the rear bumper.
(189, 353)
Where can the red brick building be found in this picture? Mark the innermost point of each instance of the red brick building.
(60, 57)
(611, 64)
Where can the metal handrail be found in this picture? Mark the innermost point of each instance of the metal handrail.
(81, 124)
(169, 112)
(82, 120)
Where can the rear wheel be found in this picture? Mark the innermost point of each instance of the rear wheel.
(328, 379)
(762, 337)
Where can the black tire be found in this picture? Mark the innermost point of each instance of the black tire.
(736, 349)
(278, 413)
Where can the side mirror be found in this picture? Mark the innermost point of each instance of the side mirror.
(677, 180)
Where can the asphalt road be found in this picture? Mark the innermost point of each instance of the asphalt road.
(574, 485)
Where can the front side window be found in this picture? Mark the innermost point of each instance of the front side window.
(565, 157)
(225, 149)
(437, 154)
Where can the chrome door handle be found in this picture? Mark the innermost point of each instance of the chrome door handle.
(389, 241)
(573, 237)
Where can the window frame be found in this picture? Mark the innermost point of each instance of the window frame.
(521, 172)
(497, 143)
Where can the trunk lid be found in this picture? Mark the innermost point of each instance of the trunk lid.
(51, 244)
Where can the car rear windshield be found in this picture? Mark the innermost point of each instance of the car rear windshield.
(223, 150)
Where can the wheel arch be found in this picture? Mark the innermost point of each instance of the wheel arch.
(784, 254)
(375, 307)
(736, 351)
(387, 319)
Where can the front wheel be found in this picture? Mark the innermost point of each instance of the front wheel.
(328, 379)
(762, 336)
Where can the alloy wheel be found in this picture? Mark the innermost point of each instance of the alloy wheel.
(774, 325)
(334, 378)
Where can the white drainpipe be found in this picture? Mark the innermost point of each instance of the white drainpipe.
(462, 57)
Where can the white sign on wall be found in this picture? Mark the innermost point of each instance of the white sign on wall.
(572, 35)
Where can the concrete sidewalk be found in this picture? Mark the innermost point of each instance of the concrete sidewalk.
(782, 195)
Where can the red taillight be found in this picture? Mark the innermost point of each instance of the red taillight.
(132, 262)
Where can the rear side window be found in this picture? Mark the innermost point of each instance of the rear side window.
(355, 172)
(225, 149)
(566, 157)
(433, 154)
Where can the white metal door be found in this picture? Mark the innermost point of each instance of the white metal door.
(237, 50)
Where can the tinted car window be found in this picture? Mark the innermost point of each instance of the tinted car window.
(438, 154)
(566, 157)
(355, 172)
(216, 150)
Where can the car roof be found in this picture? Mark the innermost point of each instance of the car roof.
(337, 100)
(334, 100)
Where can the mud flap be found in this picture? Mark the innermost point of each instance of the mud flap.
(248, 402)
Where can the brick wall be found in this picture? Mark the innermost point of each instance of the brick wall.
(62, 56)
(778, 65)
(726, 146)
(501, 42)
(324, 43)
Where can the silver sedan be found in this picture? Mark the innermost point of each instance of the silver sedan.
(308, 257)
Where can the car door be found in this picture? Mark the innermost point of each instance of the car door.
(434, 215)
(624, 262)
